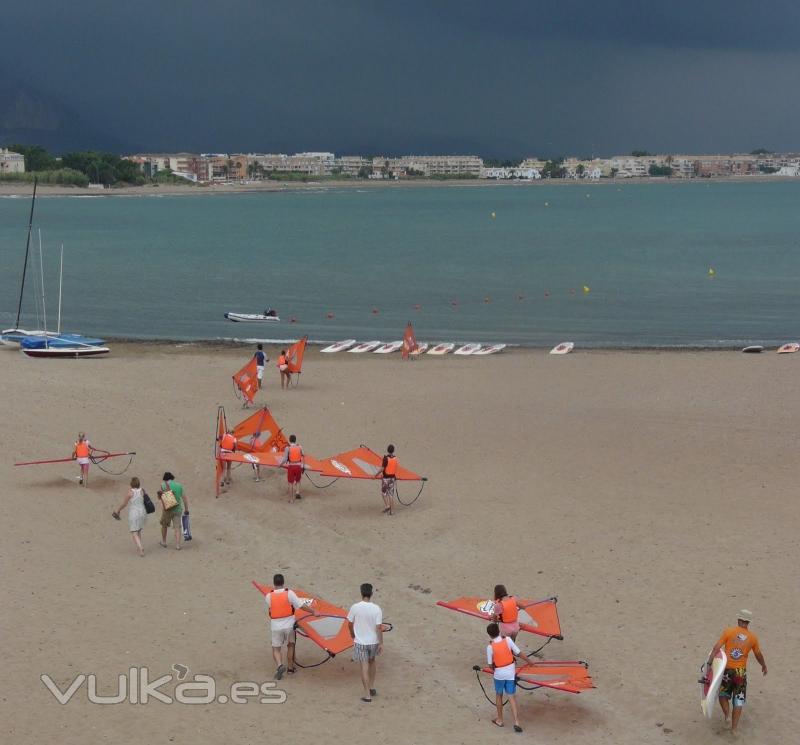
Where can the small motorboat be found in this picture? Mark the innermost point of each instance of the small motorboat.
(753, 349)
(392, 346)
(421, 349)
(467, 349)
(789, 348)
(367, 346)
(339, 346)
(443, 348)
(268, 316)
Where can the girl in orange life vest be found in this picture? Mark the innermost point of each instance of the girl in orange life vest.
(227, 444)
(81, 452)
(283, 366)
(388, 479)
(293, 459)
(507, 609)
(500, 654)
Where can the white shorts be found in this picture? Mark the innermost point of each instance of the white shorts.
(84, 461)
(282, 637)
(283, 368)
(260, 372)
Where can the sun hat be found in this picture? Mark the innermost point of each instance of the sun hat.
(745, 615)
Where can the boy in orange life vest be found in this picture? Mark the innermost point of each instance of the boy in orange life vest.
(81, 452)
(500, 654)
(507, 609)
(227, 444)
(283, 366)
(293, 459)
(388, 479)
(281, 605)
(738, 641)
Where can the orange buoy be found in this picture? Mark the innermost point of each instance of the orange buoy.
(330, 315)
(375, 311)
(547, 293)
(417, 306)
(292, 320)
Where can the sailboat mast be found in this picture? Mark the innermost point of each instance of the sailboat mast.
(41, 269)
(60, 282)
(27, 249)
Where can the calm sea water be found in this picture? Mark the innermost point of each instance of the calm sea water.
(169, 267)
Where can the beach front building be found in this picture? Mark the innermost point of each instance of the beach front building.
(351, 165)
(305, 164)
(430, 166)
(501, 173)
(11, 162)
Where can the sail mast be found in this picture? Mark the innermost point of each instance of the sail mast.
(60, 282)
(27, 249)
(41, 269)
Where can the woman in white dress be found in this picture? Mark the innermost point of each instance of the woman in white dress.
(134, 500)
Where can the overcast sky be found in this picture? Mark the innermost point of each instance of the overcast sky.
(495, 78)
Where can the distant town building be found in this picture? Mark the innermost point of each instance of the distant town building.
(11, 162)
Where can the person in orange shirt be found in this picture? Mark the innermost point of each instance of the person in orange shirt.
(737, 641)
(227, 444)
(81, 452)
(388, 475)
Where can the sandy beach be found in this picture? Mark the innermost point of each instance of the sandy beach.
(653, 493)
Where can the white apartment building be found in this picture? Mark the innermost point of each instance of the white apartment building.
(351, 165)
(11, 162)
(432, 165)
(308, 164)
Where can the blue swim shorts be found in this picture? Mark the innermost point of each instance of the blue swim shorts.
(509, 687)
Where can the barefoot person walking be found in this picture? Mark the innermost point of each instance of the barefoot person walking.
(81, 452)
(283, 367)
(294, 460)
(500, 654)
(134, 501)
(388, 479)
(281, 606)
(737, 641)
(172, 515)
(365, 622)
(261, 360)
(506, 612)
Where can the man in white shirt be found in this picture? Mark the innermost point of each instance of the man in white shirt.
(365, 621)
(281, 606)
(500, 654)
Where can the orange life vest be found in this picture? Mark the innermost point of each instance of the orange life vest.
(509, 612)
(391, 466)
(281, 361)
(82, 449)
(228, 442)
(279, 604)
(295, 454)
(501, 653)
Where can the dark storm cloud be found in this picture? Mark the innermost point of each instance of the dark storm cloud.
(496, 78)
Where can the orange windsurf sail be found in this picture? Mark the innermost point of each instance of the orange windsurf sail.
(246, 381)
(260, 433)
(537, 616)
(410, 345)
(328, 629)
(294, 355)
(362, 463)
(572, 677)
(222, 428)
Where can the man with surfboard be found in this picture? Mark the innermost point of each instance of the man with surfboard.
(737, 641)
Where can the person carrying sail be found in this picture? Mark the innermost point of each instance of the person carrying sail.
(388, 479)
(81, 452)
(500, 654)
(282, 603)
(283, 366)
(294, 460)
(506, 612)
(227, 444)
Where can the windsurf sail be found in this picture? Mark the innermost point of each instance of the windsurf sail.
(328, 629)
(362, 463)
(222, 428)
(410, 345)
(96, 456)
(294, 356)
(246, 382)
(536, 616)
(260, 433)
(569, 676)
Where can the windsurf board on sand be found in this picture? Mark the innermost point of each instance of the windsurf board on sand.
(467, 349)
(366, 346)
(421, 349)
(710, 682)
(789, 347)
(338, 346)
(753, 349)
(564, 348)
(443, 348)
(492, 349)
(392, 346)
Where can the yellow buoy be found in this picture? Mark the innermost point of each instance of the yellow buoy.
(711, 272)
(586, 290)
(493, 215)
